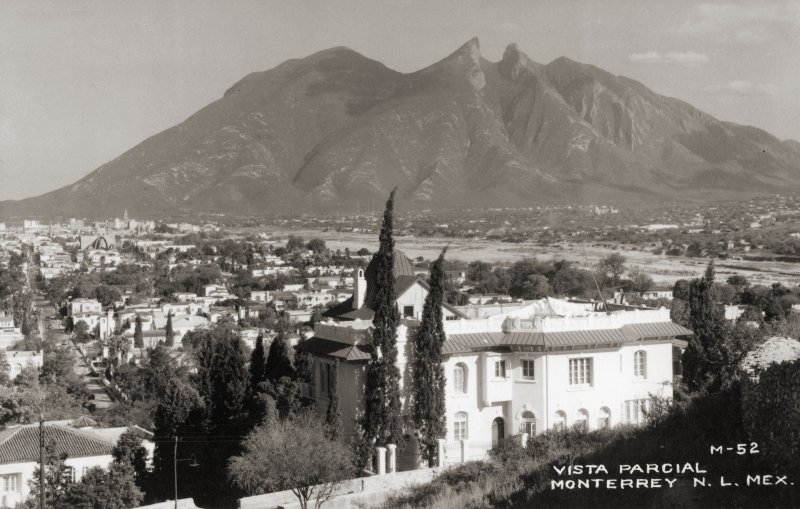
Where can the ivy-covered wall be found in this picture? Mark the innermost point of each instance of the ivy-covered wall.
(771, 412)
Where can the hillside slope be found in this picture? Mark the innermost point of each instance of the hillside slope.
(336, 129)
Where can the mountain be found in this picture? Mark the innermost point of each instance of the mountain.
(336, 130)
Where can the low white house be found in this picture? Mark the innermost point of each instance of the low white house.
(17, 360)
(78, 306)
(85, 446)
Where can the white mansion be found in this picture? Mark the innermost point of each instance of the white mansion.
(546, 364)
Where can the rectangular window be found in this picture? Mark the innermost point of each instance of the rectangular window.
(580, 371)
(408, 311)
(527, 369)
(460, 427)
(10, 483)
(636, 410)
(500, 369)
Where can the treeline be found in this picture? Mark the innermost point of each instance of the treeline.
(214, 404)
(534, 279)
(764, 304)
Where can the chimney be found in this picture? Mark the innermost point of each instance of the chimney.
(359, 289)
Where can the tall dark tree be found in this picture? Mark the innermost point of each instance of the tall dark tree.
(279, 359)
(706, 321)
(179, 412)
(130, 453)
(138, 340)
(223, 382)
(257, 363)
(168, 331)
(222, 374)
(333, 418)
(427, 372)
(381, 421)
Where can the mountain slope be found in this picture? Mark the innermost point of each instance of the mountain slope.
(335, 129)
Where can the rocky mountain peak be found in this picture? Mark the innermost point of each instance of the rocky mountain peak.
(336, 129)
(515, 63)
(463, 62)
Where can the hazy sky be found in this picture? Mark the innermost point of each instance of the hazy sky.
(81, 81)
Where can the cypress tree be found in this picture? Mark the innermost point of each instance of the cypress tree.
(223, 385)
(279, 360)
(138, 341)
(333, 418)
(706, 321)
(257, 362)
(168, 330)
(427, 372)
(381, 421)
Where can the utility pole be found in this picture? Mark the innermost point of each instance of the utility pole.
(174, 469)
(41, 462)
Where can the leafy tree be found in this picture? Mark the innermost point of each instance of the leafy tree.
(612, 267)
(56, 480)
(138, 340)
(101, 489)
(316, 245)
(427, 374)
(4, 378)
(81, 331)
(294, 243)
(170, 333)
(130, 453)
(382, 409)
(107, 295)
(292, 454)
(739, 281)
(640, 282)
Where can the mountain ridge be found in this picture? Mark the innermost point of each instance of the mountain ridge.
(336, 128)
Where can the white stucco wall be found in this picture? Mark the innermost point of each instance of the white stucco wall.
(25, 471)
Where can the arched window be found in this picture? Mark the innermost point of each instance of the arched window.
(604, 421)
(640, 364)
(528, 423)
(460, 427)
(498, 431)
(460, 378)
(560, 422)
(582, 420)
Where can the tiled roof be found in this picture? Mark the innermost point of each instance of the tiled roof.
(403, 283)
(462, 343)
(82, 422)
(458, 343)
(19, 445)
(336, 349)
